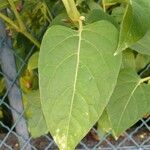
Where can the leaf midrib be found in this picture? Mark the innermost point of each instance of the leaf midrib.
(75, 79)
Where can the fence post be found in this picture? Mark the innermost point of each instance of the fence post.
(8, 67)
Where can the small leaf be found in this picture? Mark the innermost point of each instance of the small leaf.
(77, 75)
(36, 122)
(143, 45)
(33, 61)
(135, 23)
(129, 101)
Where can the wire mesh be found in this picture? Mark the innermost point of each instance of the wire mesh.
(137, 137)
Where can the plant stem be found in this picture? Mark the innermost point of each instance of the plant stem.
(71, 9)
(21, 24)
(9, 21)
(103, 4)
(144, 79)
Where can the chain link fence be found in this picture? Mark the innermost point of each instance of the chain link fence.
(14, 134)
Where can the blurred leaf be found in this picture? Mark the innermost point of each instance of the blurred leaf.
(36, 122)
(141, 61)
(33, 61)
(97, 15)
(129, 101)
(50, 3)
(104, 125)
(108, 3)
(58, 8)
(79, 2)
(117, 13)
(135, 23)
(29, 81)
(2, 85)
(143, 45)
(62, 19)
(128, 59)
(4, 3)
(93, 5)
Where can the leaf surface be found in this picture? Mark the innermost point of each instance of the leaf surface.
(129, 102)
(35, 119)
(33, 61)
(97, 15)
(77, 74)
(141, 62)
(135, 23)
(143, 45)
(104, 124)
(128, 59)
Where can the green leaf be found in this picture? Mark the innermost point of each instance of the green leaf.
(135, 23)
(141, 61)
(36, 122)
(104, 124)
(5, 3)
(143, 45)
(62, 19)
(128, 59)
(77, 74)
(94, 5)
(33, 61)
(129, 101)
(117, 13)
(97, 15)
